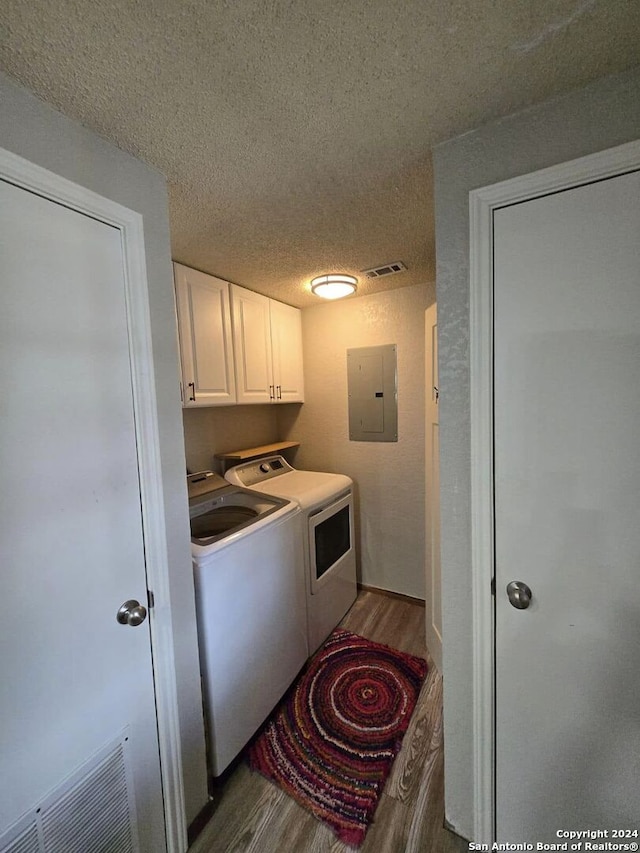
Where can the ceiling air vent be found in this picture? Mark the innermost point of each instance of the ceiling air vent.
(387, 269)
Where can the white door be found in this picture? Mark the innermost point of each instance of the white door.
(567, 523)
(252, 340)
(286, 343)
(206, 347)
(433, 588)
(73, 682)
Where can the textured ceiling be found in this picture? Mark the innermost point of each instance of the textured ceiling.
(295, 134)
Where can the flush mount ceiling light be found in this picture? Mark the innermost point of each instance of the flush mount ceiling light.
(334, 286)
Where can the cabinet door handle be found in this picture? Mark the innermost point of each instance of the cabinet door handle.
(272, 395)
(279, 391)
(192, 385)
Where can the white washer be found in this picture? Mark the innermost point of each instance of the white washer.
(326, 501)
(248, 565)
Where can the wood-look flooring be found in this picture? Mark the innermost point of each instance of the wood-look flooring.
(254, 816)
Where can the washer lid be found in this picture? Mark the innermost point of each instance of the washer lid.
(224, 515)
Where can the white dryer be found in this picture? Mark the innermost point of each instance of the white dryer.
(326, 501)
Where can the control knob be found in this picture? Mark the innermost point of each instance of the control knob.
(264, 467)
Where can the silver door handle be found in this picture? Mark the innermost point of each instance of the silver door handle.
(519, 595)
(131, 613)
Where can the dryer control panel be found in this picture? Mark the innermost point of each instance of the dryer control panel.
(261, 470)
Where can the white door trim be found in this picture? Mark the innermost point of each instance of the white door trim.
(28, 175)
(482, 203)
(433, 631)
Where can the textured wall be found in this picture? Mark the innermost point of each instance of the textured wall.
(212, 430)
(600, 116)
(44, 136)
(389, 477)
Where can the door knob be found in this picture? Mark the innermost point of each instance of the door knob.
(131, 613)
(519, 594)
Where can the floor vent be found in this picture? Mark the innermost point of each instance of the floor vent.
(27, 842)
(387, 269)
(92, 812)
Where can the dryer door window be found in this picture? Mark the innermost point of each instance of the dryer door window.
(330, 539)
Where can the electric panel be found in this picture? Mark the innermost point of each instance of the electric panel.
(373, 397)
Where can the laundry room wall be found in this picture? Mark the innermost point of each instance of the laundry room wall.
(35, 131)
(219, 429)
(600, 116)
(389, 477)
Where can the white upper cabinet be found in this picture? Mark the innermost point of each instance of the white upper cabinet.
(286, 348)
(206, 348)
(252, 338)
(268, 346)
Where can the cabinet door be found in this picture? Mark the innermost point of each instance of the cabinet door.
(252, 339)
(206, 349)
(286, 343)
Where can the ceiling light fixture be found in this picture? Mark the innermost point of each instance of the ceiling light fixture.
(334, 286)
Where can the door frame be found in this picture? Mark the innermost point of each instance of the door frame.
(433, 632)
(29, 176)
(482, 203)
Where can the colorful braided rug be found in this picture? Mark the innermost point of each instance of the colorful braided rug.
(331, 743)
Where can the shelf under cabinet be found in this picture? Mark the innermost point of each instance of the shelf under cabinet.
(253, 452)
